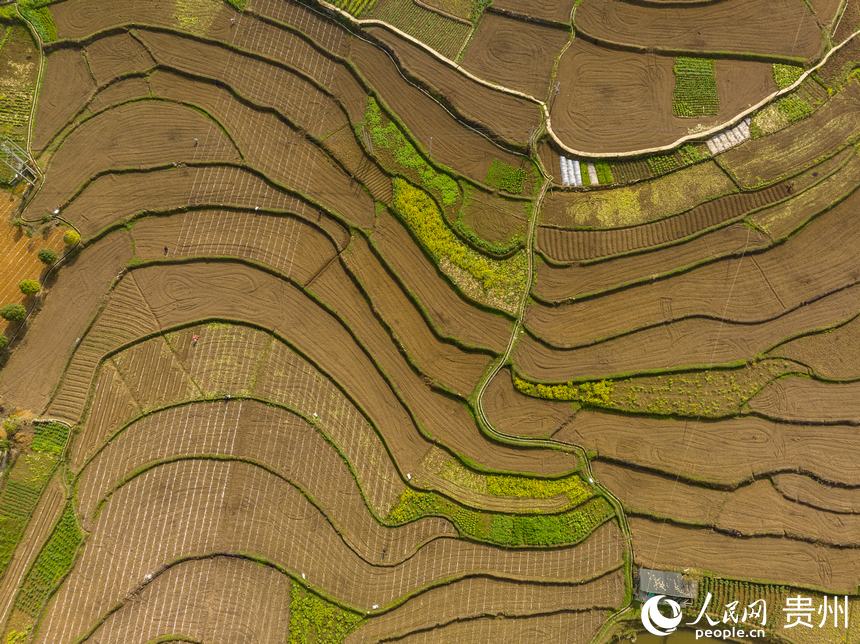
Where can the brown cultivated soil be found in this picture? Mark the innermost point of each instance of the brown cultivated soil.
(514, 53)
(290, 416)
(614, 100)
(768, 28)
(544, 9)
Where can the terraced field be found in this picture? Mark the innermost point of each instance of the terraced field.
(329, 351)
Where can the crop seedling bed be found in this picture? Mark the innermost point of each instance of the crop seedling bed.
(695, 92)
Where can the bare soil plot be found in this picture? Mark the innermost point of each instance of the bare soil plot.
(545, 9)
(793, 149)
(726, 452)
(777, 28)
(288, 244)
(445, 419)
(148, 133)
(280, 151)
(34, 369)
(508, 117)
(462, 149)
(833, 354)
(66, 87)
(99, 204)
(739, 512)
(206, 600)
(579, 627)
(556, 283)
(494, 218)
(473, 597)
(272, 519)
(612, 100)
(514, 53)
(674, 344)
(805, 400)
(78, 19)
(514, 413)
(798, 200)
(451, 312)
(278, 440)
(444, 362)
(121, 91)
(803, 489)
(637, 204)
(673, 547)
(803, 268)
(116, 55)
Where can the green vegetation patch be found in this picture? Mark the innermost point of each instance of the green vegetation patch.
(509, 486)
(314, 619)
(499, 282)
(604, 173)
(709, 393)
(695, 91)
(503, 176)
(18, 72)
(786, 75)
(38, 14)
(26, 482)
(686, 155)
(355, 7)
(386, 135)
(598, 393)
(503, 529)
(52, 565)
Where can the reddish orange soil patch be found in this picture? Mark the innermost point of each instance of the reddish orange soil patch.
(19, 253)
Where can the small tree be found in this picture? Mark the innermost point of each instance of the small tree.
(4, 342)
(13, 312)
(72, 238)
(30, 287)
(47, 256)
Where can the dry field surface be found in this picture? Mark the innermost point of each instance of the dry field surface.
(342, 356)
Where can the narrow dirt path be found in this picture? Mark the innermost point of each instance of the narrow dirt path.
(510, 439)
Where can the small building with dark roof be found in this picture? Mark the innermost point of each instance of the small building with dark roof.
(662, 582)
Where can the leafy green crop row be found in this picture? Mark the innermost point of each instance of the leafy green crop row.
(386, 135)
(314, 619)
(504, 529)
(695, 91)
(355, 7)
(52, 565)
(37, 13)
(786, 75)
(25, 484)
(503, 176)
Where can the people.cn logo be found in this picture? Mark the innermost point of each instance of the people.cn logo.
(656, 622)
